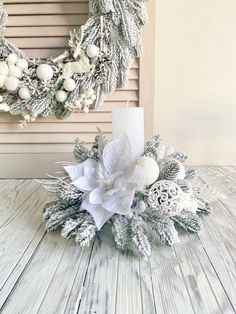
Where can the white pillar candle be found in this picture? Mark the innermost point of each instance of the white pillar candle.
(130, 121)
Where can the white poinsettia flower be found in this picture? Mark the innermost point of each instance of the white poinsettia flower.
(109, 185)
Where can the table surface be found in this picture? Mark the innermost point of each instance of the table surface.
(44, 273)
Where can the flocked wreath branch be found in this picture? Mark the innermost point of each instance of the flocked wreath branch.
(97, 61)
(141, 200)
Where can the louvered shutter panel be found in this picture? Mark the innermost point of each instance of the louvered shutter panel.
(41, 29)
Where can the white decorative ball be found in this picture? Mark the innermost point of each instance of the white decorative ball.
(1, 98)
(86, 110)
(166, 197)
(12, 58)
(24, 93)
(44, 72)
(22, 64)
(15, 71)
(61, 96)
(69, 84)
(4, 107)
(2, 80)
(92, 51)
(11, 84)
(150, 169)
(4, 68)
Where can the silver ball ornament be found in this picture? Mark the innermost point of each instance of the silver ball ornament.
(44, 72)
(61, 96)
(69, 85)
(92, 51)
(166, 197)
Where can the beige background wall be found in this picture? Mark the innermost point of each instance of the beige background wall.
(196, 78)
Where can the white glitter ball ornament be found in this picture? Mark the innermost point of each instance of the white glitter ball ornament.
(150, 169)
(44, 72)
(61, 96)
(92, 51)
(24, 93)
(12, 58)
(22, 64)
(166, 197)
(11, 84)
(69, 84)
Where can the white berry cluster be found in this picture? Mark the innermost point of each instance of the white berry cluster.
(11, 71)
(85, 101)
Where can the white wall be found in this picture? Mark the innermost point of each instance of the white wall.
(196, 78)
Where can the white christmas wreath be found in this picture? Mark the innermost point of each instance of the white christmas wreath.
(96, 62)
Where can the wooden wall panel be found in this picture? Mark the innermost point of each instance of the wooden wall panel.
(41, 29)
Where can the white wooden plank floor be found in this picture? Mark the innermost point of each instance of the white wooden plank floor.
(44, 273)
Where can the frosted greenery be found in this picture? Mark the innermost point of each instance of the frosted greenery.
(136, 233)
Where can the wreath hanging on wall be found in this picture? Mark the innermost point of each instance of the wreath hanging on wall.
(97, 62)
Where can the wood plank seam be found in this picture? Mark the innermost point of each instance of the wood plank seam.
(22, 273)
(219, 278)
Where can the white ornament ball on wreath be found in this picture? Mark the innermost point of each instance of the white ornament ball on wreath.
(92, 51)
(4, 68)
(44, 72)
(61, 96)
(24, 93)
(4, 107)
(2, 80)
(11, 84)
(150, 169)
(166, 197)
(12, 58)
(1, 98)
(15, 71)
(69, 85)
(22, 64)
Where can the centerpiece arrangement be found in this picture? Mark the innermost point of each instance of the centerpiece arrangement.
(140, 195)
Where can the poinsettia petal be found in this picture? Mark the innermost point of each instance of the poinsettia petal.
(119, 203)
(74, 171)
(77, 170)
(99, 214)
(90, 163)
(89, 172)
(117, 154)
(96, 196)
(84, 184)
